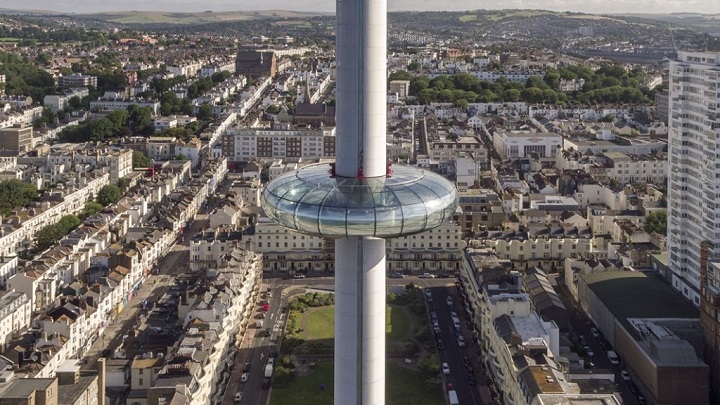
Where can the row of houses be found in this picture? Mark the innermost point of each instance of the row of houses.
(77, 287)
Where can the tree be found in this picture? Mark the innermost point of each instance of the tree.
(91, 209)
(15, 194)
(461, 103)
(281, 376)
(414, 66)
(181, 157)
(400, 75)
(205, 113)
(140, 161)
(656, 222)
(429, 366)
(109, 194)
(51, 234)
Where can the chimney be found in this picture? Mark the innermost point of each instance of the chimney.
(101, 380)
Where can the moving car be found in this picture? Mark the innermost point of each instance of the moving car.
(445, 369)
(625, 375)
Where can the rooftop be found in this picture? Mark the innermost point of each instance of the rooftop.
(636, 295)
(23, 387)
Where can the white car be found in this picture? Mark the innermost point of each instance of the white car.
(461, 341)
(426, 275)
(449, 301)
(625, 375)
(445, 369)
(238, 396)
(244, 377)
(589, 351)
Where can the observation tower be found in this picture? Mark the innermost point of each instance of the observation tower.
(360, 201)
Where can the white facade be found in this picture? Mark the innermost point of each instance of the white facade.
(693, 212)
(521, 144)
(14, 315)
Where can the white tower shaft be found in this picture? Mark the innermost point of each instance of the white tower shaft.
(361, 52)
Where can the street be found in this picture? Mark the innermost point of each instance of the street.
(463, 361)
(255, 349)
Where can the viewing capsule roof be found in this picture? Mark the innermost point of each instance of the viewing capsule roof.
(408, 201)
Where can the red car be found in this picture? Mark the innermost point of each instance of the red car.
(266, 307)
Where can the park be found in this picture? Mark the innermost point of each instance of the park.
(305, 371)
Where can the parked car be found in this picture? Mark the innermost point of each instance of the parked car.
(589, 351)
(299, 276)
(625, 375)
(440, 344)
(426, 275)
(238, 397)
(244, 377)
(449, 301)
(445, 369)
(396, 275)
(246, 367)
(595, 332)
(461, 341)
(582, 340)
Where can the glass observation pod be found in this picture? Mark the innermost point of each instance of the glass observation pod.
(313, 202)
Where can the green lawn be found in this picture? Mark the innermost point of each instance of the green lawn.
(468, 17)
(403, 386)
(396, 324)
(320, 324)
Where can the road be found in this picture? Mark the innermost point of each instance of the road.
(462, 361)
(256, 348)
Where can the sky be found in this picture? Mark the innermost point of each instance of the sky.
(590, 6)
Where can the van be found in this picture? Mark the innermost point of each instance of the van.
(613, 357)
(453, 398)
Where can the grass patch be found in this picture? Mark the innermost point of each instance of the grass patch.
(396, 324)
(468, 17)
(402, 386)
(320, 324)
(306, 389)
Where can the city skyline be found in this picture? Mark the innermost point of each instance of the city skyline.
(591, 6)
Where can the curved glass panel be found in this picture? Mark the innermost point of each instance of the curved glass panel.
(406, 202)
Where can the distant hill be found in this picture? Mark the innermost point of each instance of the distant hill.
(708, 23)
(171, 18)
